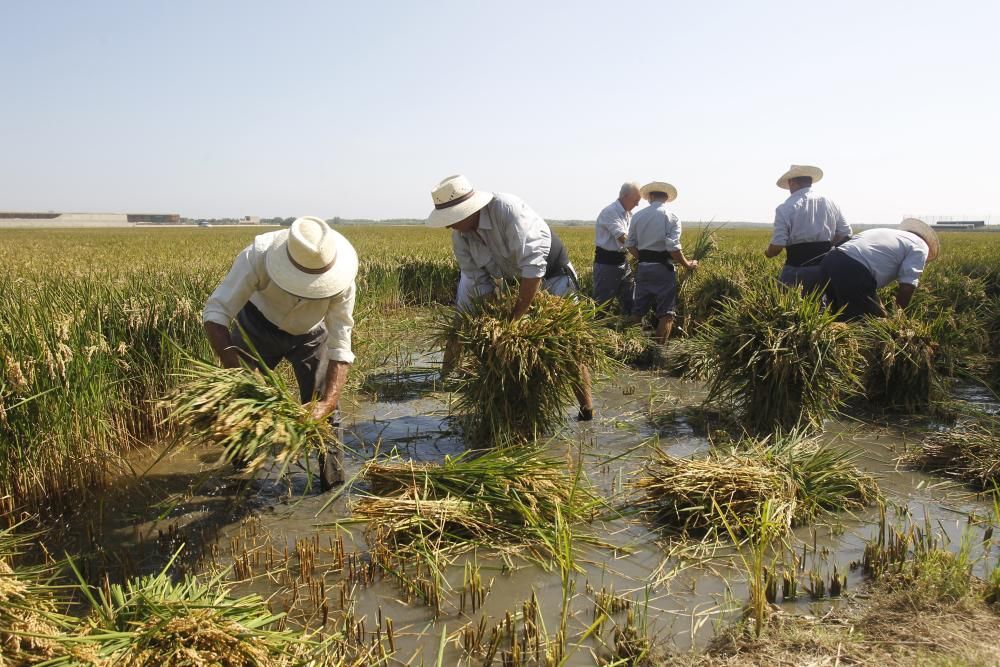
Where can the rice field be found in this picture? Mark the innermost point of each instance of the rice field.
(622, 541)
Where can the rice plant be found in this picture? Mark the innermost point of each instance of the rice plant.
(779, 359)
(902, 362)
(969, 452)
(516, 378)
(154, 621)
(31, 621)
(251, 415)
(506, 499)
(802, 477)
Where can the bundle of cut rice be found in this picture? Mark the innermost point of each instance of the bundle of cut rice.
(517, 377)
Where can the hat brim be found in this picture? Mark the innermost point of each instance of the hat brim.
(442, 217)
(307, 285)
(924, 231)
(815, 173)
(658, 186)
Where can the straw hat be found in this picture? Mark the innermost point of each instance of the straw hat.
(924, 231)
(310, 260)
(454, 201)
(659, 186)
(797, 170)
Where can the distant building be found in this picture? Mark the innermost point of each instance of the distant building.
(954, 225)
(249, 220)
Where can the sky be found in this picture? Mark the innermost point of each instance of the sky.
(225, 108)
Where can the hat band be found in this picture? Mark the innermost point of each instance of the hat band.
(455, 202)
(304, 269)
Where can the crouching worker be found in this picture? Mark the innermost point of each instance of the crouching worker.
(290, 295)
(855, 270)
(654, 239)
(498, 236)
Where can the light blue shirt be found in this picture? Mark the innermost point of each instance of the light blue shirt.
(655, 228)
(806, 217)
(612, 223)
(889, 254)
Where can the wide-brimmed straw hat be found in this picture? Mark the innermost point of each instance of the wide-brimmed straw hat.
(455, 200)
(924, 231)
(311, 260)
(658, 186)
(798, 170)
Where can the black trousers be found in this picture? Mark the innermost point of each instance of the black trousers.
(850, 286)
(307, 355)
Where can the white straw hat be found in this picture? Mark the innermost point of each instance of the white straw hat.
(659, 186)
(924, 231)
(798, 170)
(311, 260)
(454, 201)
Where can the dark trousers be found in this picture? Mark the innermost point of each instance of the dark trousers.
(850, 286)
(307, 355)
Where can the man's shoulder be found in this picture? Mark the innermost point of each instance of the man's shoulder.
(612, 210)
(264, 241)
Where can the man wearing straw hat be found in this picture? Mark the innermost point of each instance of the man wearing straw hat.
(855, 270)
(612, 277)
(806, 226)
(497, 235)
(654, 239)
(290, 295)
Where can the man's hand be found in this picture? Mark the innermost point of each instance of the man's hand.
(773, 250)
(903, 294)
(527, 290)
(692, 265)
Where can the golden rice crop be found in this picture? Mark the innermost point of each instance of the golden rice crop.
(251, 415)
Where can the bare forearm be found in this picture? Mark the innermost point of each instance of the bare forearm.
(773, 250)
(336, 378)
(222, 344)
(678, 256)
(526, 292)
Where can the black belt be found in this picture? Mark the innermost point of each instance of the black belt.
(806, 254)
(609, 257)
(656, 257)
(558, 257)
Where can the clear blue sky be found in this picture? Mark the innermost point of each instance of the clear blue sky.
(357, 109)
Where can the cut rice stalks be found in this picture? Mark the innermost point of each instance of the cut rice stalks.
(969, 452)
(506, 500)
(30, 623)
(903, 356)
(153, 621)
(517, 377)
(778, 358)
(802, 476)
(251, 415)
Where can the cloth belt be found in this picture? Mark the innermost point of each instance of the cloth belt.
(609, 257)
(806, 254)
(656, 257)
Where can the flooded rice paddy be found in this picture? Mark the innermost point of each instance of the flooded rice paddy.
(299, 549)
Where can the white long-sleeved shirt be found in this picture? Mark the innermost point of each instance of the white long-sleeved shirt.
(248, 280)
(612, 223)
(889, 254)
(655, 228)
(807, 217)
(512, 241)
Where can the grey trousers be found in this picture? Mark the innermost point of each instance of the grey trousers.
(307, 355)
(807, 277)
(614, 282)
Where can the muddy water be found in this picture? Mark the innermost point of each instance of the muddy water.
(266, 524)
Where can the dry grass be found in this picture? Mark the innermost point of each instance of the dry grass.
(970, 452)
